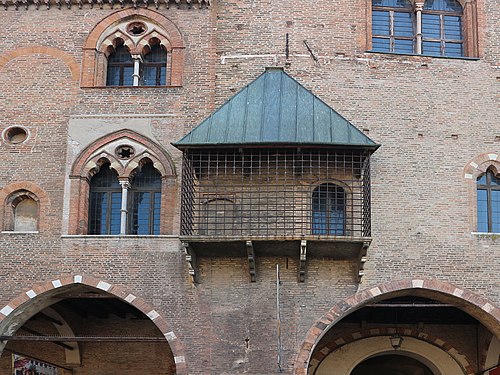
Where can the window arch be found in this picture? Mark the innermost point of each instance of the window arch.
(431, 28)
(154, 66)
(120, 66)
(145, 202)
(155, 44)
(105, 201)
(488, 202)
(124, 184)
(329, 210)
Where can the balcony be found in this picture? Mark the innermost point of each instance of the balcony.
(276, 171)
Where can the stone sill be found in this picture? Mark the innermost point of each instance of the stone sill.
(425, 56)
(19, 232)
(118, 236)
(486, 235)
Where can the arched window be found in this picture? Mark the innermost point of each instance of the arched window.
(145, 201)
(434, 29)
(154, 66)
(442, 28)
(25, 213)
(392, 26)
(120, 66)
(328, 210)
(488, 203)
(105, 202)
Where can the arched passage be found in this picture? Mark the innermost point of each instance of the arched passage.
(477, 307)
(119, 331)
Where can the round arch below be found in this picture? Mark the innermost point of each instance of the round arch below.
(477, 306)
(439, 361)
(17, 311)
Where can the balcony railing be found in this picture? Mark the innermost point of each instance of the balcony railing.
(276, 194)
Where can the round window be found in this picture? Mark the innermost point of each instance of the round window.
(15, 134)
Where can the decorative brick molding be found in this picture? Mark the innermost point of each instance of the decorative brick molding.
(480, 164)
(25, 188)
(94, 49)
(477, 306)
(330, 347)
(12, 313)
(44, 50)
(89, 161)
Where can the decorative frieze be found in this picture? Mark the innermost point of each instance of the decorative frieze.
(19, 4)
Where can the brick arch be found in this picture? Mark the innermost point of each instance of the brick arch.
(92, 59)
(385, 331)
(45, 50)
(477, 306)
(30, 187)
(30, 301)
(480, 165)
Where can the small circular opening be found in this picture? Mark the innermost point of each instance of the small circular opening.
(136, 28)
(125, 152)
(15, 134)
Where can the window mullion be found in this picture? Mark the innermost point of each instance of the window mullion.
(391, 31)
(125, 184)
(418, 32)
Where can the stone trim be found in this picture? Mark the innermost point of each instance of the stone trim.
(479, 307)
(366, 333)
(37, 291)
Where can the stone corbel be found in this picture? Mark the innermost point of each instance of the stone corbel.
(251, 261)
(302, 261)
(191, 261)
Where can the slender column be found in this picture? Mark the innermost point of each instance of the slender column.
(418, 34)
(137, 64)
(125, 184)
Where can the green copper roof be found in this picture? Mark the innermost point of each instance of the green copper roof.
(275, 110)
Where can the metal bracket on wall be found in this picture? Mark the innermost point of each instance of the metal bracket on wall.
(302, 261)
(362, 260)
(251, 261)
(191, 261)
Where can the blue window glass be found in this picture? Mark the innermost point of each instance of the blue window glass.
(392, 26)
(120, 67)
(328, 210)
(105, 202)
(146, 201)
(154, 67)
(488, 203)
(442, 25)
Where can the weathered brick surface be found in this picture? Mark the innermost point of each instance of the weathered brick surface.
(433, 116)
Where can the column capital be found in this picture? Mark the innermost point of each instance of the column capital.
(124, 183)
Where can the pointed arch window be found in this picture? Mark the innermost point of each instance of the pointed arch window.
(329, 210)
(154, 66)
(120, 66)
(488, 203)
(105, 202)
(145, 201)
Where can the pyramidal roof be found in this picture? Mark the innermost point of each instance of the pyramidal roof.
(275, 110)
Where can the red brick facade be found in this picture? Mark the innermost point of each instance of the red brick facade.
(436, 120)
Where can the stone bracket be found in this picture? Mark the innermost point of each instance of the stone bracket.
(302, 261)
(191, 261)
(362, 260)
(251, 261)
